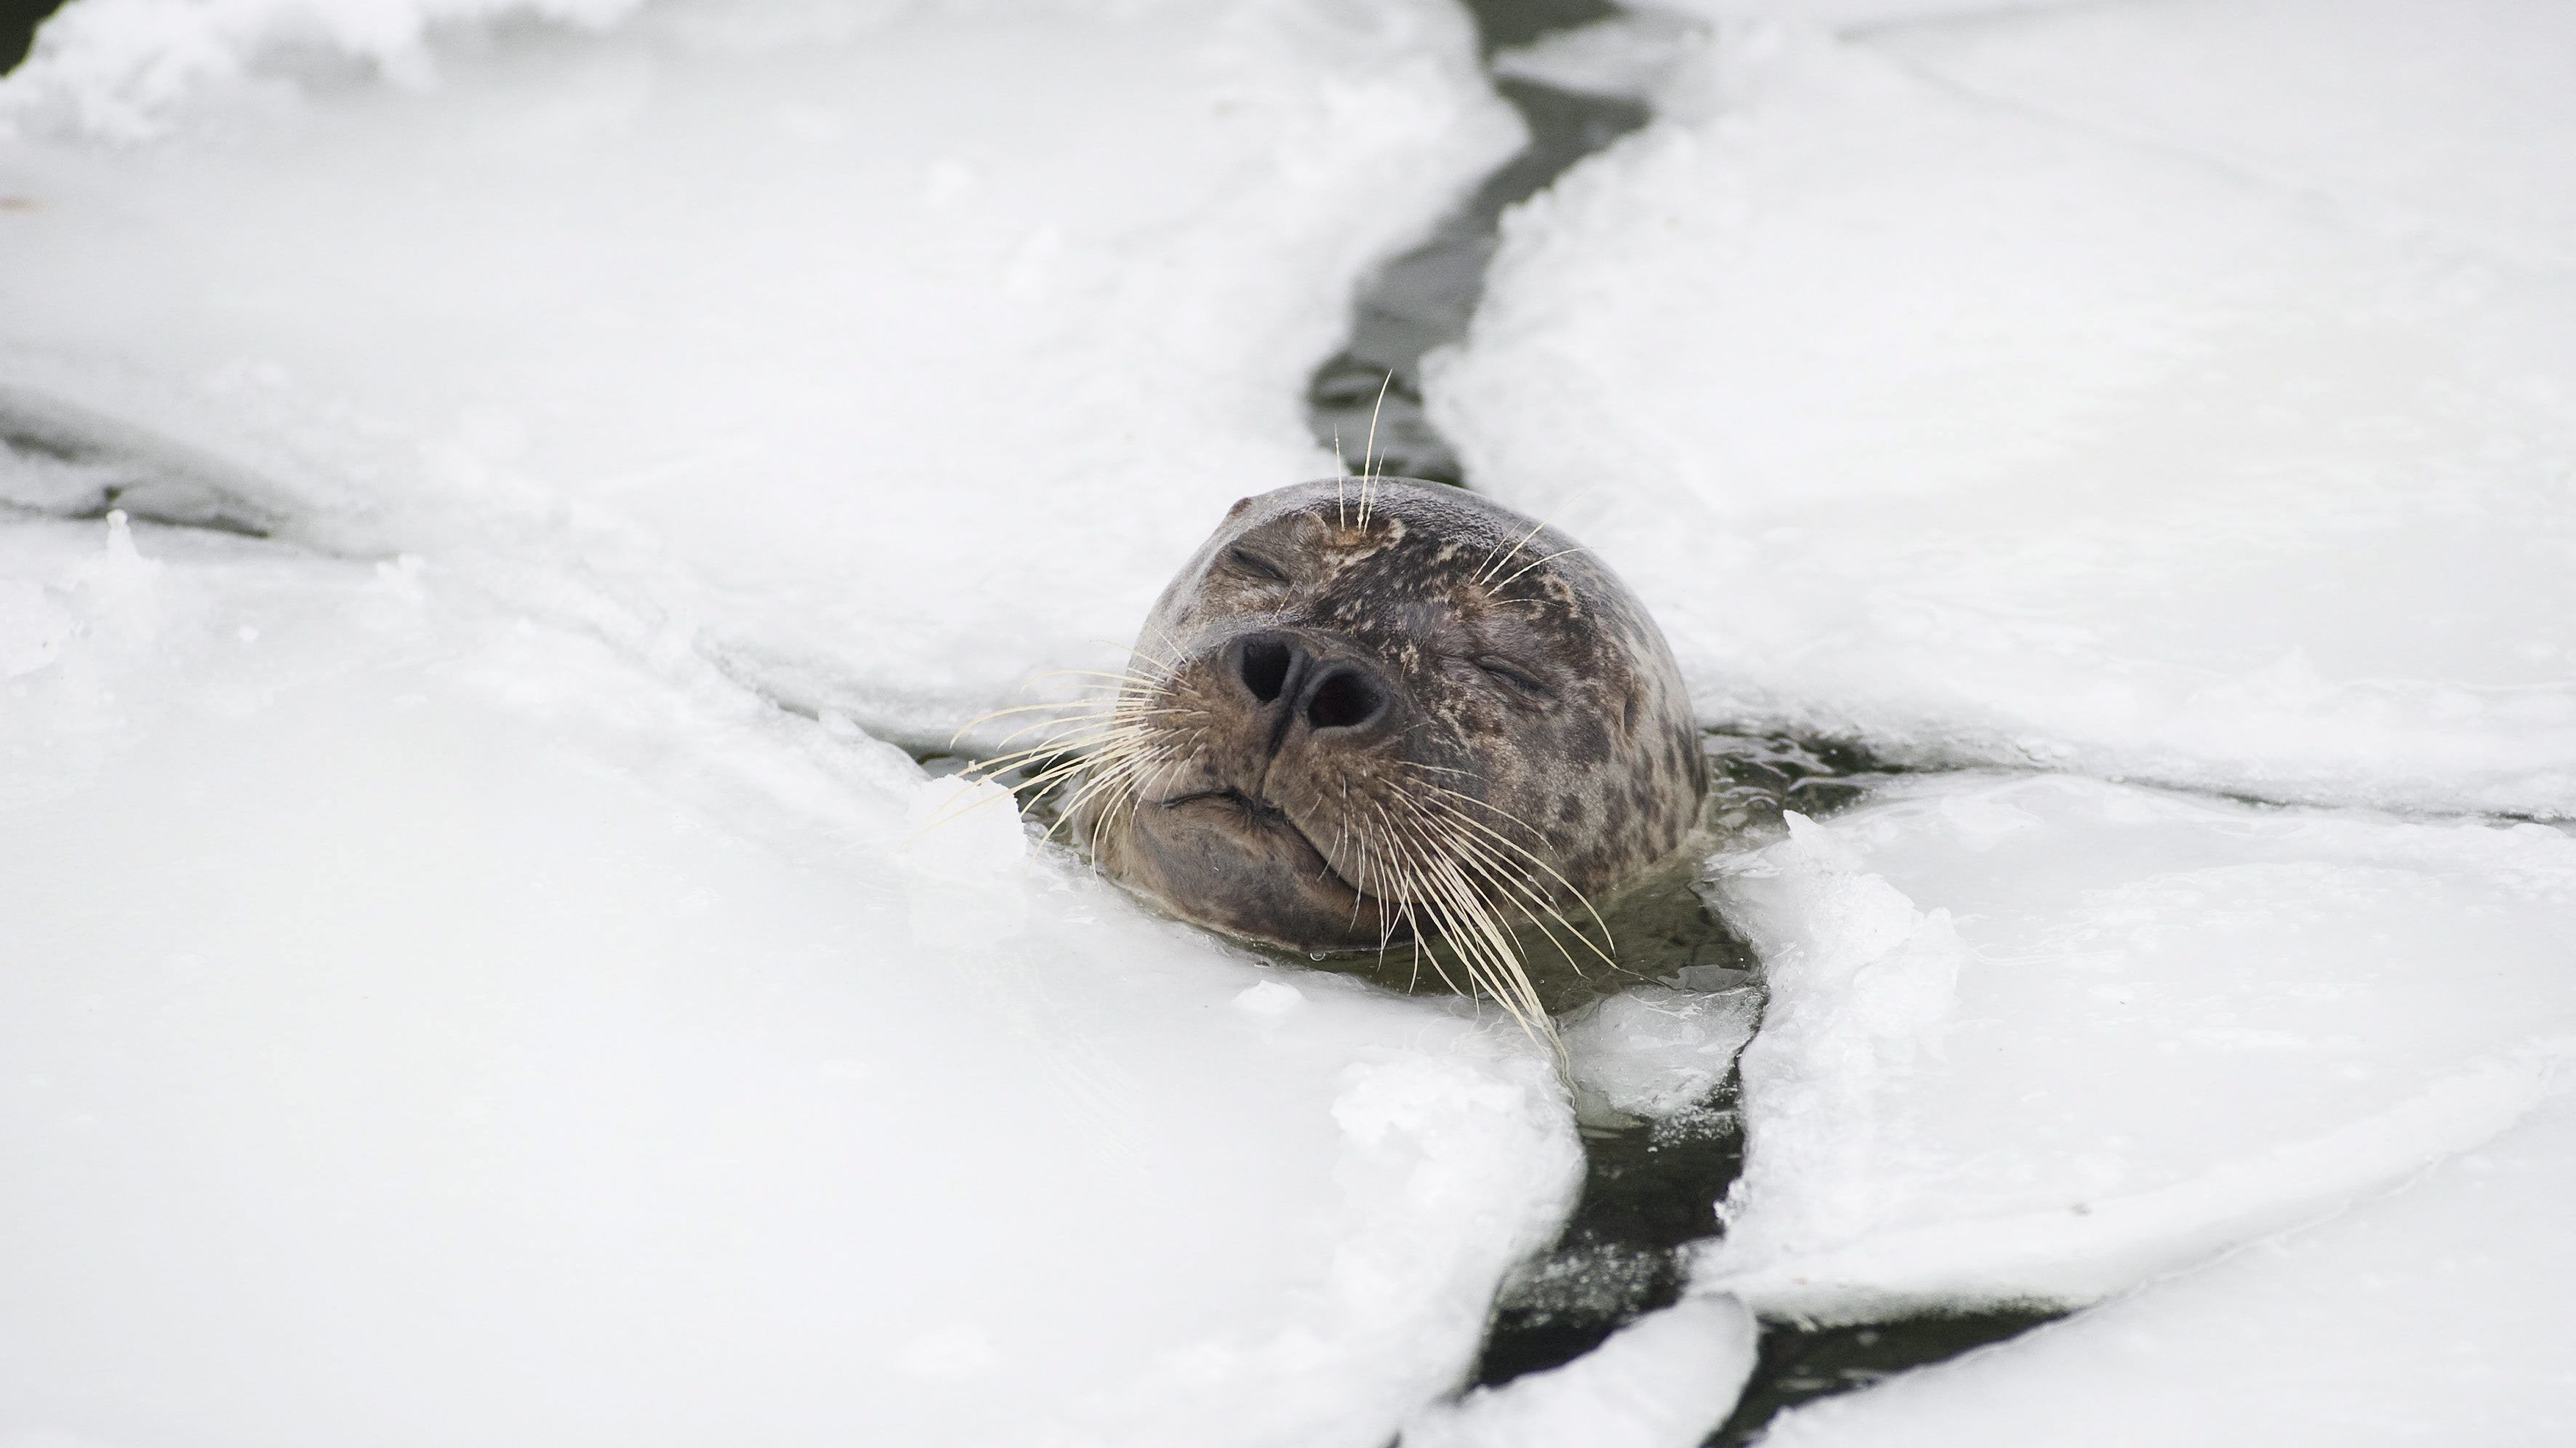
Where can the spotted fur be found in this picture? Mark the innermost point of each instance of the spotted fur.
(1537, 729)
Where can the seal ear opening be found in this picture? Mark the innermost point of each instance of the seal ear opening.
(1239, 505)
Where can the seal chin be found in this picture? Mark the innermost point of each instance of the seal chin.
(1236, 863)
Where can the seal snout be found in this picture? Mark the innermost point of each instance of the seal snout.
(1289, 681)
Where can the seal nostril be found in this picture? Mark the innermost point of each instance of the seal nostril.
(1263, 666)
(1344, 699)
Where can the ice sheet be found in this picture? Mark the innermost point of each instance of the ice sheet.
(426, 1024)
(895, 353)
(1665, 1380)
(2452, 120)
(2035, 1038)
(119, 67)
(2437, 1314)
(1988, 435)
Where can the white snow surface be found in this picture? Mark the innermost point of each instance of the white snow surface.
(117, 67)
(2184, 433)
(2437, 1314)
(2033, 1038)
(894, 352)
(2452, 120)
(1666, 1380)
(425, 1023)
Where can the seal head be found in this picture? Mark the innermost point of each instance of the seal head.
(1370, 710)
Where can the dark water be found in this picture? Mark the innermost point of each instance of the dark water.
(18, 21)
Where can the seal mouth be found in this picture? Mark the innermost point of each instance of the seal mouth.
(1259, 809)
(1260, 814)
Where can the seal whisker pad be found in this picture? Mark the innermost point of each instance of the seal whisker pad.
(1348, 736)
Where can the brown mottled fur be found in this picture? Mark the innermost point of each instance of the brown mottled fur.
(1533, 724)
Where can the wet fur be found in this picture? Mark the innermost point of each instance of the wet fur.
(1540, 749)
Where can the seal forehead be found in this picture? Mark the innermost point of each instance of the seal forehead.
(1335, 539)
(1428, 536)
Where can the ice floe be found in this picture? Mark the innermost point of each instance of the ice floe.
(2037, 1038)
(1990, 433)
(2452, 120)
(433, 1019)
(1666, 1380)
(893, 352)
(2439, 1313)
(1652, 1052)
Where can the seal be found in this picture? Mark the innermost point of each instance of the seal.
(1380, 710)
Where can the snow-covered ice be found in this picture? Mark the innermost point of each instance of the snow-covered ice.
(2022, 431)
(2439, 1314)
(431, 1020)
(2451, 119)
(897, 351)
(2037, 1038)
(1666, 1380)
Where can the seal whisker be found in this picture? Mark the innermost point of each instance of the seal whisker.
(1490, 954)
(1515, 881)
(1368, 452)
(999, 764)
(1472, 928)
(1516, 847)
(1488, 838)
(1493, 563)
(1551, 558)
(1104, 775)
(1043, 783)
(1408, 888)
(1081, 729)
(1121, 675)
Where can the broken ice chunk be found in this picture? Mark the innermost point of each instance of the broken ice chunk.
(2034, 1038)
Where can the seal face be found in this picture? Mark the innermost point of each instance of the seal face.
(1369, 710)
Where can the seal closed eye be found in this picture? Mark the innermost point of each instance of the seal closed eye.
(1375, 710)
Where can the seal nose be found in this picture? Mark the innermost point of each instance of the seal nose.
(1329, 694)
(1267, 664)
(1343, 696)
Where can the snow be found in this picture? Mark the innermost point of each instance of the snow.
(431, 1019)
(2035, 1039)
(1666, 1380)
(2438, 1313)
(117, 66)
(2450, 120)
(2014, 432)
(894, 354)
